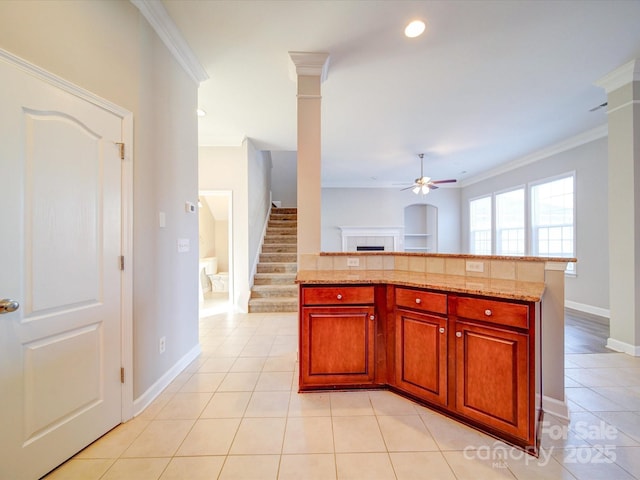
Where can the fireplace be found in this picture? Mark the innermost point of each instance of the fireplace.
(363, 239)
(369, 248)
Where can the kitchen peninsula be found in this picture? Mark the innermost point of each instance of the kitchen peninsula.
(461, 334)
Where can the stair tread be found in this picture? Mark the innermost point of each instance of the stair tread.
(274, 300)
(288, 264)
(275, 287)
(281, 233)
(277, 274)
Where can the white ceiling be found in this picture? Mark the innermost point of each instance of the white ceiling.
(488, 83)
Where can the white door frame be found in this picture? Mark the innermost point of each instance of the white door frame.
(229, 195)
(126, 314)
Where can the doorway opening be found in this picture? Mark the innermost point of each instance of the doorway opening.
(215, 271)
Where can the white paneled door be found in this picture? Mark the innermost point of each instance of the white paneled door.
(60, 242)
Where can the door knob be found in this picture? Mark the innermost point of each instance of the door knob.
(7, 305)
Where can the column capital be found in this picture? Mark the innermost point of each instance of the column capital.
(627, 73)
(311, 64)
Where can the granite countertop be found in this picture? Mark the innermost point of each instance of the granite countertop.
(507, 289)
(471, 256)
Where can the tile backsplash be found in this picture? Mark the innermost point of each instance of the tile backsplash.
(529, 269)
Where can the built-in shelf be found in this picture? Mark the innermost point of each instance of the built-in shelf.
(420, 228)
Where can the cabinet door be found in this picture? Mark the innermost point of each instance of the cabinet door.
(421, 355)
(337, 346)
(492, 377)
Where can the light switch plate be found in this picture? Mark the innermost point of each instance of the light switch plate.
(475, 266)
(353, 262)
(183, 245)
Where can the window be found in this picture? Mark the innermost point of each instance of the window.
(510, 223)
(480, 226)
(547, 231)
(552, 216)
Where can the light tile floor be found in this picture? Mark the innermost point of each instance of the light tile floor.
(235, 413)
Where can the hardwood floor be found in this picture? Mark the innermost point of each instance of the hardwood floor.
(585, 333)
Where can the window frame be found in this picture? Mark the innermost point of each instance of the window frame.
(571, 267)
(527, 215)
(491, 228)
(526, 228)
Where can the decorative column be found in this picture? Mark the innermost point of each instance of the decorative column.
(623, 109)
(311, 70)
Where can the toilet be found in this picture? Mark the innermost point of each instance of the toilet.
(219, 280)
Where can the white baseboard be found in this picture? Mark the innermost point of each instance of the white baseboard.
(583, 307)
(144, 400)
(623, 347)
(555, 407)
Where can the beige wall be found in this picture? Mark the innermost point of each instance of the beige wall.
(108, 48)
(214, 229)
(206, 231)
(246, 172)
(225, 168)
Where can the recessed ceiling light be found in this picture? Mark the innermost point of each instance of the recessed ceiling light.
(201, 112)
(414, 29)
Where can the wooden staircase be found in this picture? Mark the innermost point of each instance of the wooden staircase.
(274, 288)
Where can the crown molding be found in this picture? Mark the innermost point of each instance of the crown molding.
(621, 76)
(315, 64)
(568, 144)
(163, 25)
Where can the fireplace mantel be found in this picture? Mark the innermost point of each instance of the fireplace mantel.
(391, 237)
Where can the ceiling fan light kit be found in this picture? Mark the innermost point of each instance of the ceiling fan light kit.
(421, 189)
(423, 185)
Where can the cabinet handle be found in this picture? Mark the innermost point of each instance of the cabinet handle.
(339, 296)
(372, 317)
(418, 301)
(441, 329)
(458, 334)
(488, 312)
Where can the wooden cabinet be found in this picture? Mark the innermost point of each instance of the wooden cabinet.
(421, 343)
(474, 358)
(492, 375)
(495, 365)
(337, 337)
(421, 355)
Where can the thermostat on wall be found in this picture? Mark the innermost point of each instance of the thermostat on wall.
(189, 207)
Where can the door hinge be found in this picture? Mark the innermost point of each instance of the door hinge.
(121, 147)
(121, 374)
(121, 262)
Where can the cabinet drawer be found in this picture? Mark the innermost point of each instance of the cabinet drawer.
(421, 300)
(501, 313)
(337, 295)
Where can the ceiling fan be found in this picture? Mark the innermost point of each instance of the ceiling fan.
(424, 184)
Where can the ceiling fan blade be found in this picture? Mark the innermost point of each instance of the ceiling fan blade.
(432, 186)
(451, 180)
(407, 188)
